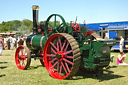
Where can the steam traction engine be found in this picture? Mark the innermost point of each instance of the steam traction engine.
(63, 49)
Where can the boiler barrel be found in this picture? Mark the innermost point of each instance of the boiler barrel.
(35, 41)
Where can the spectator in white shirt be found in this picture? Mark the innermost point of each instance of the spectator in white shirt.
(121, 43)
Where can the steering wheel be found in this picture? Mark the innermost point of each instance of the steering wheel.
(76, 26)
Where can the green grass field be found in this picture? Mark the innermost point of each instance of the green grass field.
(38, 75)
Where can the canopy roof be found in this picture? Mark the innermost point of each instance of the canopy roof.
(107, 25)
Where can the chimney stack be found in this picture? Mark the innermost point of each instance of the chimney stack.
(35, 9)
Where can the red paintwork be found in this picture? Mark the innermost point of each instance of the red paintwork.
(88, 33)
(56, 57)
(22, 61)
(76, 26)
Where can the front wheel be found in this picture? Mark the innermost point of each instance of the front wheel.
(61, 56)
(22, 57)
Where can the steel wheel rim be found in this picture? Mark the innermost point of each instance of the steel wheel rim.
(58, 56)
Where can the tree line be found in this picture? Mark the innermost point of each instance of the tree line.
(22, 27)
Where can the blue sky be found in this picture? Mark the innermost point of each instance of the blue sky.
(92, 11)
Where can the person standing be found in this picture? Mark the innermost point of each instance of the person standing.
(1, 45)
(14, 42)
(5, 43)
(20, 41)
(10, 42)
(121, 43)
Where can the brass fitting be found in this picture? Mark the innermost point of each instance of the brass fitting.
(35, 7)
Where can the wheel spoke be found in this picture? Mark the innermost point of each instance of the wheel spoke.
(23, 64)
(69, 57)
(58, 67)
(66, 47)
(56, 31)
(55, 21)
(19, 60)
(21, 51)
(54, 64)
(60, 70)
(60, 42)
(51, 55)
(25, 59)
(51, 25)
(53, 50)
(63, 45)
(59, 26)
(68, 52)
(54, 46)
(53, 60)
(67, 66)
(68, 61)
(57, 45)
(64, 67)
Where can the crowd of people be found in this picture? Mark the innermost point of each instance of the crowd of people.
(10, 42)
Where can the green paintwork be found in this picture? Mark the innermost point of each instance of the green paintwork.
(96, 51)
(95, 54)
(55, 28)
(38, 41)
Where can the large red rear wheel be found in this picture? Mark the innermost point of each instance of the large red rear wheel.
(22, 57)
(61, 56)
